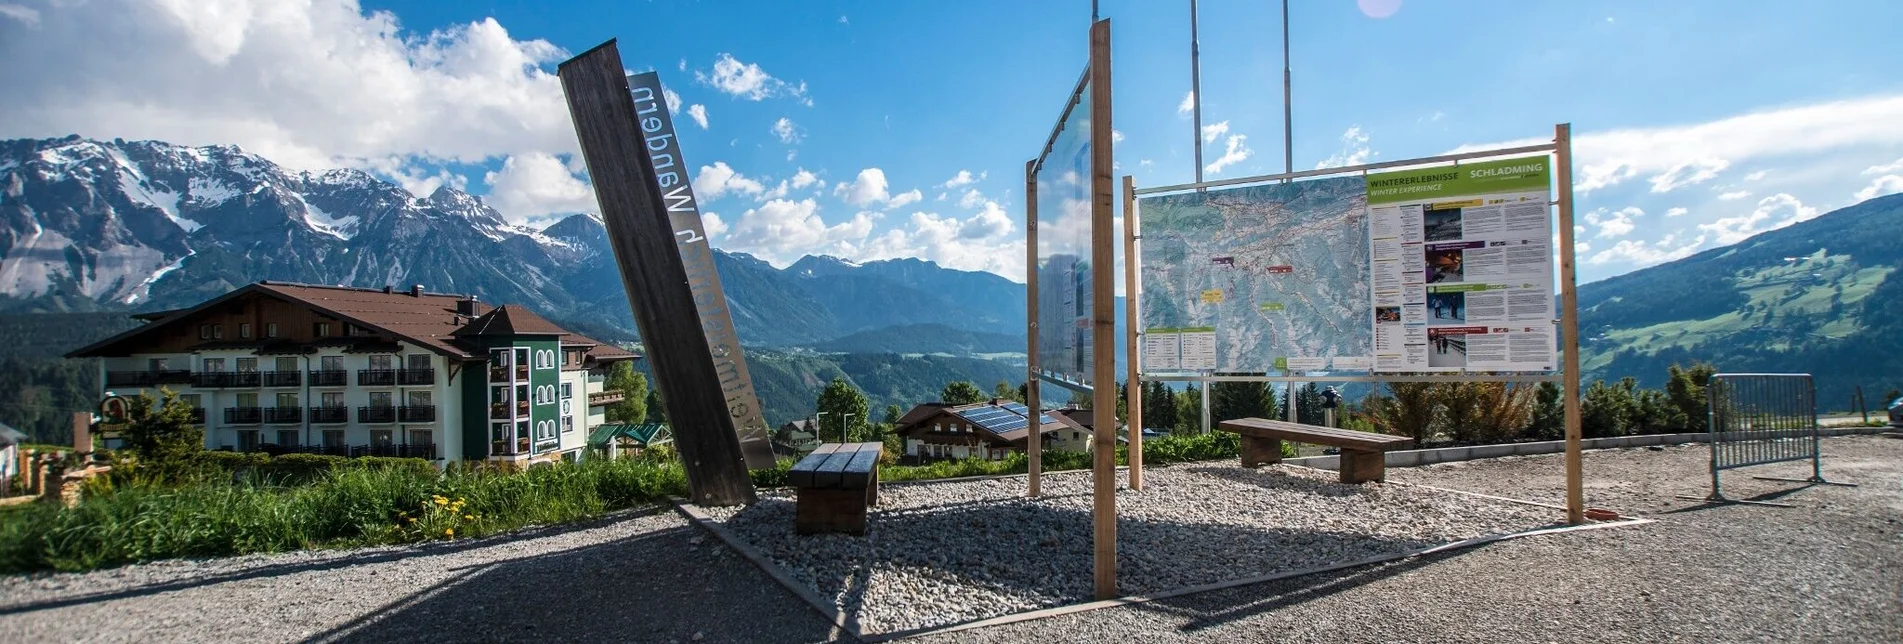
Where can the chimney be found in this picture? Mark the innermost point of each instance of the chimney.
(467, 306)
(387, 290)
(416, 290)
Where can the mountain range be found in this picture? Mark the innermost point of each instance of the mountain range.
(92, 226)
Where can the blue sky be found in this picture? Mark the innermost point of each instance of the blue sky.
(1696, 123)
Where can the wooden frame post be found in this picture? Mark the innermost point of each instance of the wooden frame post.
(642, 235)
(1103, 258)
(1569, 323)
(1132, 387)
(1033, 444)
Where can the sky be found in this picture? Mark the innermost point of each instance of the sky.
(878, 130)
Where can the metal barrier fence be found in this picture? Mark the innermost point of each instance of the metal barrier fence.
(1762, 418)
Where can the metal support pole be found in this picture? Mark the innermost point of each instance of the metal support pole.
(1195, 92)
(1288, 109)
(1205, 413)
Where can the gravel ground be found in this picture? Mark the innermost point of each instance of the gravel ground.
(649, 577)
(1830, 570)
(941, 553)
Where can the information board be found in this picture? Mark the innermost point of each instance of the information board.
(1463, 267)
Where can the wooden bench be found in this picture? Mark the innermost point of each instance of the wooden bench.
(834, 486)
(1363, 455)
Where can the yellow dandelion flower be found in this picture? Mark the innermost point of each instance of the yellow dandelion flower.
(412, 519)
(450, 532)
(442, 501)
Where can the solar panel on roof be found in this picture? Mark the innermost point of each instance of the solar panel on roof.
(1016, 422)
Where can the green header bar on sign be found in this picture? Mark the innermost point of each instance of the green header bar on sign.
(1523, 174)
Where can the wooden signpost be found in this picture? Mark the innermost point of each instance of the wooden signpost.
(615, 140)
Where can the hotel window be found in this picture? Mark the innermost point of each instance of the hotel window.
(190, 399)
(568, 390)
(417, 361)
(286, 364)
(333, 438)
(332, 399)
(247, 400)
(287, 438)
(568, 424)
(287, 399)
(247, 365)
(330, 363)
(419, 398)
(215, 365)
(321, 329)
(380, 399)
(270, 329)
(381, 362)
(217, 331)
(422, 437)
(156, 364)
(244, 329)
(381, 437)
(204, 332)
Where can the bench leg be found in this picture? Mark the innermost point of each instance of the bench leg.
(830, 510)
(1360, 467)
(1260, 451)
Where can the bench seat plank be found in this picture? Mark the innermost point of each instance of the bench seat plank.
(1312, 434)
(858, 472)
(802, 473)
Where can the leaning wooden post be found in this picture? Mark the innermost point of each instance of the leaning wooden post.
(1132, 389)
(615, 141)
(1569, 323)
(1103, 338)
(1034, 443)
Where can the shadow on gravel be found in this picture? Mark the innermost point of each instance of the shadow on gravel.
(1216, 608)
(274, 570)
(1269, 479)
(1018, 546)
(678, 584)
(1767, 496)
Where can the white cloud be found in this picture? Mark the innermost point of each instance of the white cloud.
(748, 81)
(804, 178)
(1688, 173)
(1144, 163)
(1885, 185)
(1773, 212)
(673, 100)
(1612, 157)
(778, 192)
(715, 226)
(1354, 150)
(964, 178)
(719, 180)
(844, 21)
(1188, 104)
(1676, 212)
(1214, 131)
(906, 198)
(1894, 166)
(1116, 136)
(23, 14)
(1235, 151)
(866, 189)
(1734, 195)
(1635, 254)
(971, 199)
(943, 196)
(1755, 175)
(533, 186)
(786, 131)
(781, 230)
(990, 222)
(1614, 224)
(698, 112)
(311, 85)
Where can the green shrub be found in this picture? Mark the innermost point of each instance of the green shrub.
(416, 465)
(775, 476)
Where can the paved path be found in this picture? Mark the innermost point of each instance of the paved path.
(1829, 570)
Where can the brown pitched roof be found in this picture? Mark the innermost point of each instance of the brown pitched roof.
(428, 320)
(510, 319)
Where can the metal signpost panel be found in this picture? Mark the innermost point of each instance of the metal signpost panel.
(1763, 418)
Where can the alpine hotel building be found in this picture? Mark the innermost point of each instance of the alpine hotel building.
(353, 371)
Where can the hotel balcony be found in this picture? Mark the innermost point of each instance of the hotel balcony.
(376, 415)
(282, 378)
(416, 414)
(198, 415)
(334, 378)
(376, 377)
(330, 415)
(147, 378)
(283, 415)
(606, 398)
(416, 376)
(501, 411)
(221, 379)
(243, 415)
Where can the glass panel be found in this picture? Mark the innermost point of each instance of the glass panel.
(247, 400)
(247, 440)
(271, 330)
(244, 329)
(421, 437)
(247, 365)
(418, 360)
(568, 390)
(156, 364)
(380, 362)
(381, 437)
(189, 399)
(287, 438)
(331, 363)
(287, 399)
(333, 438)
(522, 357)
(380, 399)
(333, 399)
(287, 364)
(215, 364)
(419, 398)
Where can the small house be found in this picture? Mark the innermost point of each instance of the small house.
(988, 430)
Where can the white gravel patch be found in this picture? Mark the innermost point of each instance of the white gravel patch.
(937, 554)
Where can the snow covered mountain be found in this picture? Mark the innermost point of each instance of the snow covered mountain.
(89, 225)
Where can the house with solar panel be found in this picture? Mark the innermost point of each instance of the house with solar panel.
(280, 367)
(990, 430)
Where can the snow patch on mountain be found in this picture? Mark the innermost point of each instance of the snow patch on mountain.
(207, 192)
(145, 288)
(343, 227)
